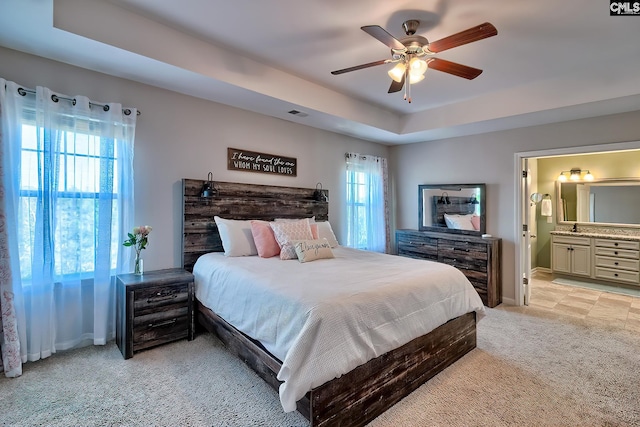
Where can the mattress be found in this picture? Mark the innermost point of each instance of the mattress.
(324, 318)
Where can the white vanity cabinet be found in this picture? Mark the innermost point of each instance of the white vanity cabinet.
(571, 255)
(603, 258)
(617, 260)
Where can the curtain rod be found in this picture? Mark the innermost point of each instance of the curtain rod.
(55, 98)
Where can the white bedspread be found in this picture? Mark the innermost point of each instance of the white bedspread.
(324, 318)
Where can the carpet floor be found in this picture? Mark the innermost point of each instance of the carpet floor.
(531, 368)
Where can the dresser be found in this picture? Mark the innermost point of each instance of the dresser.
(153, 308)
(477, 257)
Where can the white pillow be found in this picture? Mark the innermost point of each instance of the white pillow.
(459, 222)
(236, 236)
(311, 220)
(286, 232)
(311, 250)
(325, 231)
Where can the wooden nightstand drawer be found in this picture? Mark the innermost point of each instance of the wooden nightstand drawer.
(151, 332)
(154, 299)
(153, 309)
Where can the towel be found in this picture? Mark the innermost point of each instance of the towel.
(545, 207)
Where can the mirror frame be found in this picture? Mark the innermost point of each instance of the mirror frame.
(609, 181)
(448, 188)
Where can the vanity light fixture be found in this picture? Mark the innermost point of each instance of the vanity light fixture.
(575, 175)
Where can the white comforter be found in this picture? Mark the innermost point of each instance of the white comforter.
(324, 318)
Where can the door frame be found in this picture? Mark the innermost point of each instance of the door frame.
(519, 202)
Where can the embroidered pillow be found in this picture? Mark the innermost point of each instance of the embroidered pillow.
(325, 231)
(264, 239)
(288, 231)
(311, 250)
(236, 237)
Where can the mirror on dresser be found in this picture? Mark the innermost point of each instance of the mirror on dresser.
(452, 208)
(607, 201)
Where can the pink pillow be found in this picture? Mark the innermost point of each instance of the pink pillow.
(475, 221)
(264, 239)
(314, 231)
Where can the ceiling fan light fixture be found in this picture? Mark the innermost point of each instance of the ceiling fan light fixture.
(417, 66)
(397, 72)
(415, 78)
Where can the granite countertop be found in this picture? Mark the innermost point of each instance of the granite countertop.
(595, 234)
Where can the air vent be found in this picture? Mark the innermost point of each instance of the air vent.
(298, 113)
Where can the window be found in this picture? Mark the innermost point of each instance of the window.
(367, 225)
(76, 165)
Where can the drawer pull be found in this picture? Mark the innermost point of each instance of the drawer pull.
(165, 323)
(162, 296)
(462, 249)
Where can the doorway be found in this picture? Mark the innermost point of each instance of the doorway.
(534, 252)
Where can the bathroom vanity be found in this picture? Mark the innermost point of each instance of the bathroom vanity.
(600, 256)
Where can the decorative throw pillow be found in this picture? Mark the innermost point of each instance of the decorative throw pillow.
(236, 237)
(311, 250)
(325, 231)
(264, 239)
(459, 222)
(475, 221)
(288, 231)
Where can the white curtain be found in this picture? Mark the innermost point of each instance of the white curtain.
(367, 203)
(68, 186)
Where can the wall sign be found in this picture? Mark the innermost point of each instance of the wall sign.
(250, 161)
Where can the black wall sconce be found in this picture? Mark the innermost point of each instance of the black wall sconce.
(444, 199)
(319, 195)
(209, 189)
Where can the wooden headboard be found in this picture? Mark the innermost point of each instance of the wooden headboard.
(238, 201)
(455, 206)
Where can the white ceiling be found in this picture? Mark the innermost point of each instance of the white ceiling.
(551, 60)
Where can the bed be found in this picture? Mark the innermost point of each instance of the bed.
(369, 381)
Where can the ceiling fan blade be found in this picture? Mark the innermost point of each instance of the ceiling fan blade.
(396, 86)
(454, 68)
(381, 34)
(360, 67)
(474, 34)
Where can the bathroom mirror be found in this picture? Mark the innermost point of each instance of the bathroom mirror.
(606, 201)
(452, 208)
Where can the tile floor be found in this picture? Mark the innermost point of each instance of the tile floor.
(604, 308)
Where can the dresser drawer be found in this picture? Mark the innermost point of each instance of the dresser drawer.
(467, 264)
(617, 253)
(160, 298)
(617, 244)
(415, 246)
(617, 263)
(463, 247)
(617, 275)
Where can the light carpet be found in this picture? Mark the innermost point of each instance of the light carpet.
(602, 287)
(531, 368)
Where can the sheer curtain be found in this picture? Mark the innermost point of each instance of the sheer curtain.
(67, 176)
(367, 203)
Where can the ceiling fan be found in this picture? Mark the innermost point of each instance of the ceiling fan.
(413, 54)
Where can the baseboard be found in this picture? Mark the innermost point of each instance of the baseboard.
(508, 301)
(541, 270)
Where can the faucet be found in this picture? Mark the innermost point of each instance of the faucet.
(575, 227)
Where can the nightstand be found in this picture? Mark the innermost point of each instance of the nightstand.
(153, 308)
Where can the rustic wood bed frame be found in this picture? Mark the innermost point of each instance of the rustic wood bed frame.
(357, 397)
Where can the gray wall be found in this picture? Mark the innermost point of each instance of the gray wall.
(179, 136)
(490, 158)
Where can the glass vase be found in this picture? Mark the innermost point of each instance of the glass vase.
(138, 267)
